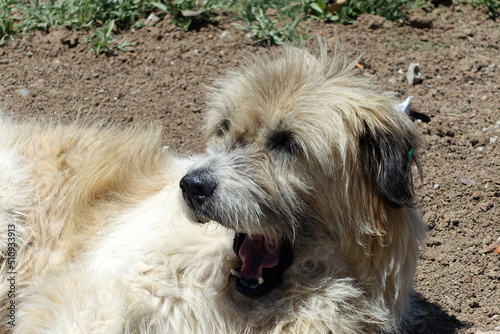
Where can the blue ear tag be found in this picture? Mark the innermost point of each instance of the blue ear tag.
(410, 156)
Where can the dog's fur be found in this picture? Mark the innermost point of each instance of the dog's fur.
(303, 155)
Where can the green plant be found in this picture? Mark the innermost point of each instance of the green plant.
(6, 20)
(83, 13)
(493, 7)
(184, 12)
(101, 16)
(318, 9)
(393, 10)
(103, 43)
(272, 22)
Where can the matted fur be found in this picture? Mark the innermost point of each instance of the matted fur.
(299, 147)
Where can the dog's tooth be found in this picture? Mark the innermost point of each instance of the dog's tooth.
(236, 274)
(261, 281)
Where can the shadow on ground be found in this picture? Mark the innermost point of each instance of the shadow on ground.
(432, 319)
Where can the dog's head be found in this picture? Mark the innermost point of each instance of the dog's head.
(299, 147)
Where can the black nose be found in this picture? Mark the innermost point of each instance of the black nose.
(197, 187)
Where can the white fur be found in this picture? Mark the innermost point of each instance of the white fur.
(105, 245)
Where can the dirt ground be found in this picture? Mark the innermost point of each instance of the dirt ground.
(457, 108)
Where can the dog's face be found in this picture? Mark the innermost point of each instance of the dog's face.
(296, 151)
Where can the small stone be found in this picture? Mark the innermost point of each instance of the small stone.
(23, 92)
(405, 106)
(490, 68)
(191, 13)
(151, 20)
(493, 140)
(467, 181)
(468, 32)
(413, 74)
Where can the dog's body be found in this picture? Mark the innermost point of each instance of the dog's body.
(305, 191)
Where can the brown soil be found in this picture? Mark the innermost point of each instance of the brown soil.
(457, 107)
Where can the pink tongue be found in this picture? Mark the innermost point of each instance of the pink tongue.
(256, 254)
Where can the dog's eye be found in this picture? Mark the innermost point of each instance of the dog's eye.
(283, 141)
(222, 128)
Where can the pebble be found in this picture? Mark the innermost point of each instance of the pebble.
(490, 68)
(23, 92)
(413, 74)
(467, 181)
(151, 20)
(405, 106)
(468, 32)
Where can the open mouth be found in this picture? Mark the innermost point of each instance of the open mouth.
(262, 263)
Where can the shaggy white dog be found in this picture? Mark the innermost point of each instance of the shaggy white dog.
(298, 219)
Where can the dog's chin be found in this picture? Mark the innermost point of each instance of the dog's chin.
(262, 264)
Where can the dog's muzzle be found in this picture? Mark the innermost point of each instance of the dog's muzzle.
(197, 189)
(262, 261)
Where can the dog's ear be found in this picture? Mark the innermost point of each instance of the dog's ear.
(386, 160)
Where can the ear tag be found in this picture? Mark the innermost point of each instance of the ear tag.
(410, 156)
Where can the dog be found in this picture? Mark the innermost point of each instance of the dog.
(300, 217)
